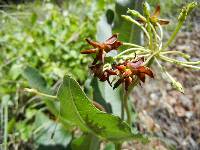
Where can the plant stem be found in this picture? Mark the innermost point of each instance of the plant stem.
(185, 64)
(118, 146)
(5, 126)
(138, 24)
(130, 50)
(122, 109)
(186, 56)
(131, 44)
(180, 62)
(39, 93)
(150, 35)
(128, 113)
(178, 27)
(161, 35)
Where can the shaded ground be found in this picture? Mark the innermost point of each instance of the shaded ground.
(172, 116)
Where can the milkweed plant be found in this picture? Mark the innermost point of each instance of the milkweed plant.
(128, 69)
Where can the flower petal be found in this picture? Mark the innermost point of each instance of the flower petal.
(163, 21)
(112, 39)
(128, 81)
(89, 51)
(93, 43)
(156, 12)
(146, 70)
(110, 72)
(121, 67)
(141, 77)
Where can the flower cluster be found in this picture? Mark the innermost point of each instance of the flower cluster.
(100, 49)
(126, 71)
(129, 71)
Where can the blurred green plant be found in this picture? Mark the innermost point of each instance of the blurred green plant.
(47, 37)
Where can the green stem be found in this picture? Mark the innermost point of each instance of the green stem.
(131, 44)
(155, 33)
(136, 23)
(186, 56)
(150, 35)
(118, 146)
(130, 50)
(5, 126)
(39, 93)
(178, 27)
(128, 113)
(180, 62)
(161, 35)
(122, 109)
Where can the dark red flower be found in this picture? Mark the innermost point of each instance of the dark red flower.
(131, 69)
(100, 49)
(103, 75)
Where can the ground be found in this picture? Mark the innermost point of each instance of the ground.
(171, 116)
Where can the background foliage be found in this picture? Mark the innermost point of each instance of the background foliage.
(48, 37)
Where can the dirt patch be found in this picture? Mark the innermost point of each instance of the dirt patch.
(170, 115)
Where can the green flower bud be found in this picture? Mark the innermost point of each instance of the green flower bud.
(186, 10)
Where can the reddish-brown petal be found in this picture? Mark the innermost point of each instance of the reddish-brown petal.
(103, 77)
(89, 51)
(121, 67)
(163, 21)
(116, 44)
(128, 81)
(93, 43)
(141, 77)
(111, 72)
(145, 70)
(112, 39)
(156, 12)
(101, 55)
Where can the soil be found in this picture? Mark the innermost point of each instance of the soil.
(168, 115)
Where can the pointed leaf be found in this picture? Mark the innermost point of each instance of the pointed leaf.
(82, 113)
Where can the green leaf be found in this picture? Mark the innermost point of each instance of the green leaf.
(37, 81)
(75, 107)
(45, 128)
(87, 142)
